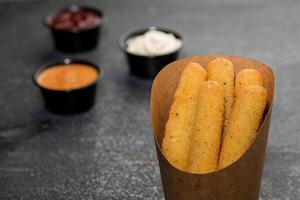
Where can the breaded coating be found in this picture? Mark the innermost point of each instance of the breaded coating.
(177, 136)
(206, 137)
(243, 124)
(221, 70)
(247, 77)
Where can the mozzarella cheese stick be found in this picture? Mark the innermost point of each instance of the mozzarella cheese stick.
(221, 70)
(206, 136)
(177, 136)
(247, 77)
(243, 124)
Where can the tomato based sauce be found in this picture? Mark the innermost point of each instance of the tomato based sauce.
(78, 19)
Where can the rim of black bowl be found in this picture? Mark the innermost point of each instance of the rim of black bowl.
(126, 36)
(98, 11)
(67, 61)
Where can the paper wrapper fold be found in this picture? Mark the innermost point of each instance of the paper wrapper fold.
(239, 181)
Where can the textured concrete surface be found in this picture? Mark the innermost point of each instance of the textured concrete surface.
(108, 153)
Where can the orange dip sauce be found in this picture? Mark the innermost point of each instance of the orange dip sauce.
(67, 77)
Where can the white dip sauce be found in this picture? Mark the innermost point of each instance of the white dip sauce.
(153, 43)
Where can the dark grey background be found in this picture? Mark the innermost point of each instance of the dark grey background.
(108, 153)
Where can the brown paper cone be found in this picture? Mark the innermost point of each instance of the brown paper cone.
(239, 181)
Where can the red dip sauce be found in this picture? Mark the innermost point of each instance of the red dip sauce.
(78, 19)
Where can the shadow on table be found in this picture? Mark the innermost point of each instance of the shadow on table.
(11, 137)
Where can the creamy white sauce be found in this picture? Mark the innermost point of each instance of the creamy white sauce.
(153, 43)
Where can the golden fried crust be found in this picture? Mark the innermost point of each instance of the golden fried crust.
(221, 70)
(206, 136)
(243, 124)
(177, 136)
(247, 77)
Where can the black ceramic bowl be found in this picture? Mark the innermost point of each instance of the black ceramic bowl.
(68, 101)
(78, 39)
(148, 66)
